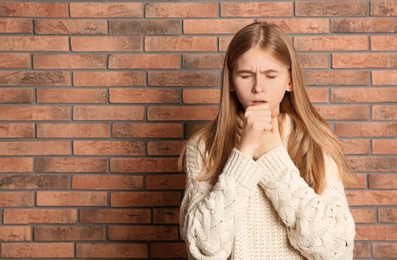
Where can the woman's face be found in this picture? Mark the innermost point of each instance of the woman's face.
(259, 78)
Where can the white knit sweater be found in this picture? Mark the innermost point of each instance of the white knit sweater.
(263, 209)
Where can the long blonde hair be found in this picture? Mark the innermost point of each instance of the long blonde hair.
(310, 136)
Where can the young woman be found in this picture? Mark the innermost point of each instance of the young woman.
(265, 178)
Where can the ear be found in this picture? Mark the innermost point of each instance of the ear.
(231, 86)
(290, 86)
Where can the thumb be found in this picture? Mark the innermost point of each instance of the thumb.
(275, 124)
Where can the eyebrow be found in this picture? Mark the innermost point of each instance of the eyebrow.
(262, 72)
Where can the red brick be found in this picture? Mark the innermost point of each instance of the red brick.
(166, 215)
(143, 95)
(147, 233)
(106, 182)
(318, 95)
(35, 148)
(165, 182)
(376, 232)
(34, 43)
(364, 60)
(182, 113)
(201, 96)
(355, 146)
(224, 42)
(70, 27)
(223, 26)
(144, 130)
(20, 95)
(192, 128)
(252, 9)
(32, 9)
(168, 250)
(384, 146)
(108, 113)
(16, 165)
(34, 113)
(145, 27)
(317, 61)
(15, 233)
(71, 165)
(147, 199)
(301, 26)
(11, 130)
(384, 250)
(14, 60)
(188, 43)
(74, 96)
(360, 182)
(68, 233)
(372, 164)
(330, 8)
(383, 43)
(335, 77)
(15, 25)
(382, 181)
(331, 43)
(34, 181)
(37, 250)
(34, 78)
(364, 215)
(362, 249)
(143, 165)
(102, 43)
(108, 79)
(372, 198)
(343, 112)
(202, 61)
(68, 198)
(131, 148)
(111, 250)
(68, 61)
(144, 61)
(363, 95)
(57, 130)
(366, 129)
(361, 25)
(39, 216)
(384, 78)
(115, 216)
(165, 147)
(180, 10)
(15, 199)
(117, 10)
(387, 215)
(385, 112)
(383, 8)
(184, 78)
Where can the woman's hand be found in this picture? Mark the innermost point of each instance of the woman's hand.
(257, 131)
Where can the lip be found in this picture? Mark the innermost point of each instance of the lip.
(258, 102)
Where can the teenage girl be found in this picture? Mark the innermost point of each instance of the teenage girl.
(265, 178)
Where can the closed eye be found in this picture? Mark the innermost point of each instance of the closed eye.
(246, 76)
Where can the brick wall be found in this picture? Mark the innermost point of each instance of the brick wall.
(98, 98)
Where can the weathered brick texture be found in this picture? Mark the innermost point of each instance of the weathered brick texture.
(98, 98)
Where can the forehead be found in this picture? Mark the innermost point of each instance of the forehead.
(258, 58)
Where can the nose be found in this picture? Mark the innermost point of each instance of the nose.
(258, 84)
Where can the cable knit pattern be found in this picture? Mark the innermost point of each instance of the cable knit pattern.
(264, 210)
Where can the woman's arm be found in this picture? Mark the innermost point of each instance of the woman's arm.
(210, 215)
(319, 226)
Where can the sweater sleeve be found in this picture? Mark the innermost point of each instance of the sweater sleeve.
(210, 215)
(319, 226)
